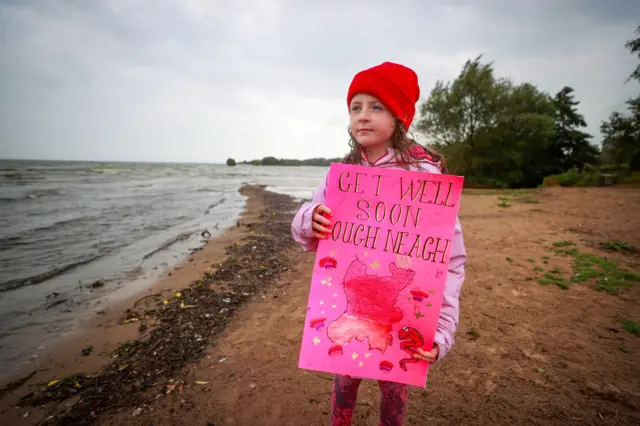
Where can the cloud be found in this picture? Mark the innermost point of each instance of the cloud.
(202, 80)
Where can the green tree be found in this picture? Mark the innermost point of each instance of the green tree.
(621, 133)
(456, 115)
(518, 147)
(572, 147)
(621, 137)
(231, 162)
(269, 161)
(490, 129)
(634, 47)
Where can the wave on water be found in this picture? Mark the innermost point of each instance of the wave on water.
(209, 190)
(108, 170)
(39, 278)
(183, 236)
(7, 243)
(72, 222)
(213, 206)
(11, 174)
(33, 195)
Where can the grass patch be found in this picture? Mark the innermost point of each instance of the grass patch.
(563, 244)
(632, 327)
(625, 349)
(607, 275)
(556, 271)
(531, 260)
(516, 197)
(612, 286)
(586, 274)
(551, 279)
(538, 210)
(619, 246)
(510, 260)
(527, 201)
(538, 269)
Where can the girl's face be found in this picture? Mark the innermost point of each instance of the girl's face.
(371, 123)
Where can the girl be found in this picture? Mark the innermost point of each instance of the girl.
(381, 103)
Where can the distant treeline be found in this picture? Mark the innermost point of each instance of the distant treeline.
(273, 161)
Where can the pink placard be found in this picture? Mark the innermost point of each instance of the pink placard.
(378, 279)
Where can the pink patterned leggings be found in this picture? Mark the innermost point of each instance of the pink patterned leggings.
(393, 401)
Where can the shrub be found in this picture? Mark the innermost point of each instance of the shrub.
(589, 176)
(568, 178)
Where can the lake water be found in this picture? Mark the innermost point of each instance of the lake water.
(68, 224)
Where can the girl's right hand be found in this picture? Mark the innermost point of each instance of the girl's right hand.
(320, 224)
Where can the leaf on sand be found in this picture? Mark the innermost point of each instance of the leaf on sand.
(183, 306)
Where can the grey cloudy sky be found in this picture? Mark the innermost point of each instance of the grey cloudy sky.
(203, 80)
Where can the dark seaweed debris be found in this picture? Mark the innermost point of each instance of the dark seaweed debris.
(184, 325)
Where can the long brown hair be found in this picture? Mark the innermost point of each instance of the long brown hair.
(402, 143)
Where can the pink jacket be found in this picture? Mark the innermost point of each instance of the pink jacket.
(450, 309)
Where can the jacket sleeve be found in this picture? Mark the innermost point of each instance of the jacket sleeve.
(450, 308)
(301, 227)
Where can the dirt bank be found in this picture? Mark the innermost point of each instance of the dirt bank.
(545, 336)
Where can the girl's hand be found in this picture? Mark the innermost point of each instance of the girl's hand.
(429, 356)
(320, 224)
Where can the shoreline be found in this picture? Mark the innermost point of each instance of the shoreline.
(116, 242)
(121, 322)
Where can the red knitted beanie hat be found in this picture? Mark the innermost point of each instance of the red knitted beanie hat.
(395, 85)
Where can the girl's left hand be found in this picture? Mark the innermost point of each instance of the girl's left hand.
(429, 356)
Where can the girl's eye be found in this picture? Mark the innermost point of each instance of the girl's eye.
(355, 108)
(378, 107)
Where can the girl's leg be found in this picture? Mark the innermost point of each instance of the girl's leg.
(343, 399)
(393, 403)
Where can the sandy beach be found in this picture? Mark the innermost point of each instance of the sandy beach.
(533, 346)
(114, 326)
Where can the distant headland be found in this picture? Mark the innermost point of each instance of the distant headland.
(273, 161)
